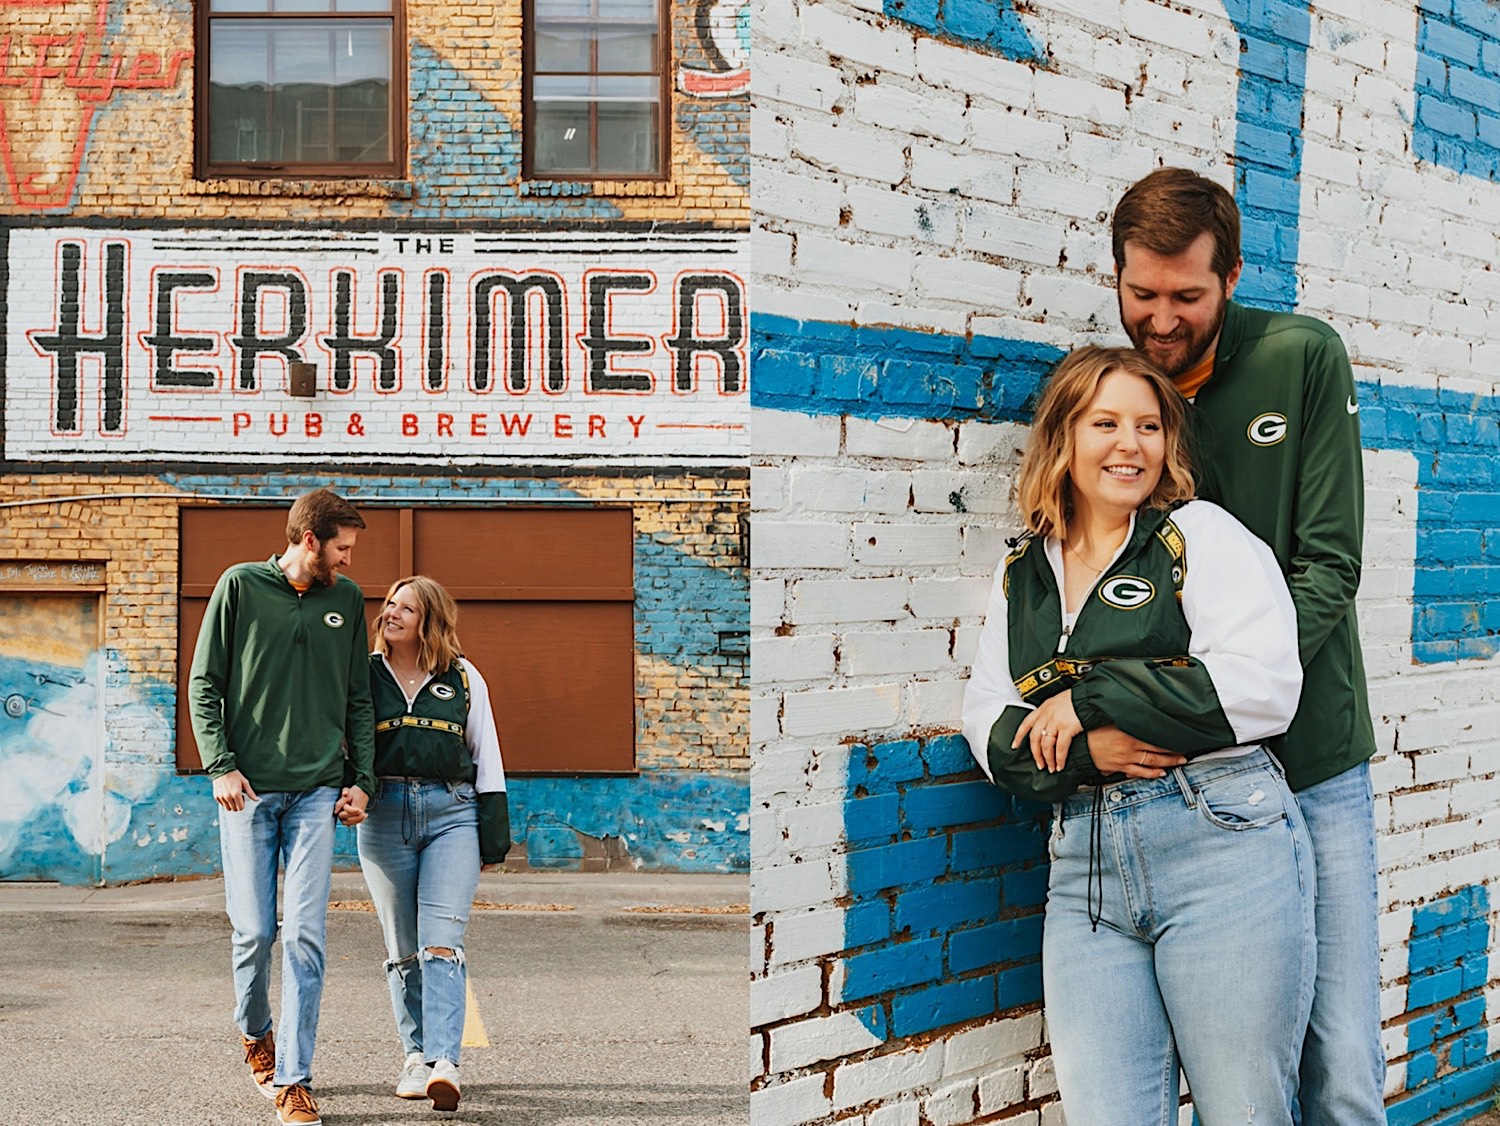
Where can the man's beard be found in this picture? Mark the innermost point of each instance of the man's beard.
(1181, 357)
(322, 570)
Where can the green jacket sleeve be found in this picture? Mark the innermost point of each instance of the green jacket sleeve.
(359, 717)
(1328, 527)
(1171, 703)
(209, 678)
(1015, 772)
(494, 827)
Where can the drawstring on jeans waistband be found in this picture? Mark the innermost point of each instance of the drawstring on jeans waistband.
(1096, 862)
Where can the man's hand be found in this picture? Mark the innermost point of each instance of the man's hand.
(350, 808)
(1115, 752)
(231, 790)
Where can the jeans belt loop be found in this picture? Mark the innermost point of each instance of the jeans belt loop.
(1189, 797)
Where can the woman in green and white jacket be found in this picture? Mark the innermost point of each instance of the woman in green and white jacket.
(1139, 648)
(438, 812)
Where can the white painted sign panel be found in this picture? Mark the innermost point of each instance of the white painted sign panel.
(179, 345)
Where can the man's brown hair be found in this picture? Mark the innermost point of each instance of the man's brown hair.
(1166, 212)
(322, 512)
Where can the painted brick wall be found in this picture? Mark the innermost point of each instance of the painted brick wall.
(685, 810)
(932, 196)
(383, 285)
(75, 144)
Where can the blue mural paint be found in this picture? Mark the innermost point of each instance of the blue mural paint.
(1274, 36)
(819, 368)
(1450, 1073)
(1457, 121)
(479, 178)
(941, 867)
(668, 820)
(990, 25)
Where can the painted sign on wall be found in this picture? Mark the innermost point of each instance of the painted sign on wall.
(180, 345)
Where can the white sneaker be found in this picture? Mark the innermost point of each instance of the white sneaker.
(413, 1081)
(442, 1086)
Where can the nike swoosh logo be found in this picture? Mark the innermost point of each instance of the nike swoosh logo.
(1352, 407)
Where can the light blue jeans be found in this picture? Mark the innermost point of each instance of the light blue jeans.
(295, 830)
(420, 853)
(1343, 1060)
(1204, 953)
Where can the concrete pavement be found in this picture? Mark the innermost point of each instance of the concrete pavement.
(613, 998)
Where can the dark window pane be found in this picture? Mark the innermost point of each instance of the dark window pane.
(563, 48)
(627, 138)
(632, 51)
(562, 137)
(305, 91)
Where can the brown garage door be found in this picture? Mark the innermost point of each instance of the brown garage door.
(545, 612)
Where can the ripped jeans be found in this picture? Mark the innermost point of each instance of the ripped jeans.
(1204, 952)
(420, 853)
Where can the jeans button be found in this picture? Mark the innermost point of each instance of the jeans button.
(1115, 795)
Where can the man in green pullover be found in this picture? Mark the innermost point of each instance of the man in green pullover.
(1276, 428)
(280, 699)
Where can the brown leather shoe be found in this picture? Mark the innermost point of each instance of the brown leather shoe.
(295, 1106)
(261, 1056)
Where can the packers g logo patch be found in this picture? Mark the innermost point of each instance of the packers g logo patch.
(1127, 592)
(1267, 429)
(442, 691)
(333, 619)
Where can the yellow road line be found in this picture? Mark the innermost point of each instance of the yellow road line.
(474, 1033)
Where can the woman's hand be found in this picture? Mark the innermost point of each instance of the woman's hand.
(1052, 728)
(1115, 752)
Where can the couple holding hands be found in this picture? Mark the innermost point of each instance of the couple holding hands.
(300, 725)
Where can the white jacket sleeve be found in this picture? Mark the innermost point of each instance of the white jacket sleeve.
(480, 735)
(990, 689)
(1243, 623)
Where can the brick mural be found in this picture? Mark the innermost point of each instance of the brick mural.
(513, 291)
(932, 194)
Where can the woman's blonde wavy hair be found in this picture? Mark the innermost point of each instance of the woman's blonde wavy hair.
(1044, 489)
(437, 635)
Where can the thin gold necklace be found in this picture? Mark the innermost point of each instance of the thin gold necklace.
(1085, 560)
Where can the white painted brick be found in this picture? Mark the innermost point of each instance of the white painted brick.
(1001, 231)
(994, 128)
(898, 438)
(767, 601)
(804, 657)
(1002, 1088)
(952, 1103)
(948, 492)
(896, 652)
(898, 1072)
(937, 702)
(905, 545)
(796, 81)
(806, 934)
(939, 598)
(852, 265)
(849, 600)
(785, 993)
(889, 49)
(812, 827)
(850, 149)
(787, 1104)
(896, 1114)
(1178, 30)
(982, 443)
(789, 434)
(841, 711)
(778, 887)
(945, 65)
(776, 543)
(883, 211)
(1072, 97)
(1041, 1079)
(771, 253)
(992, 1044)
(803, 197)
(823, 1038)
(921, 113)
(975, 284)
(818, 488)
